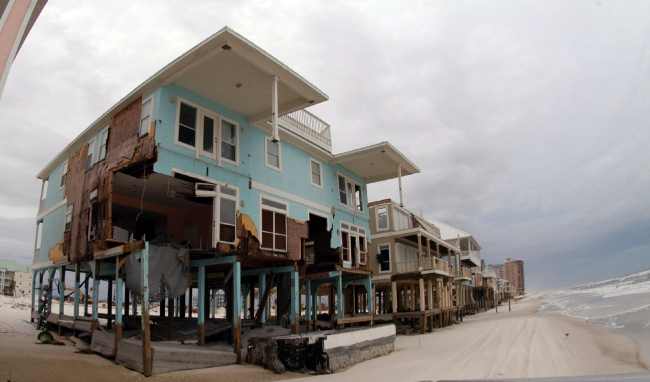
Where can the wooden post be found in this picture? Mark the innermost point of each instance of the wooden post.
(77, 276)
(109, 303)
(339, 296)
(294, 316)
(127, 296)
(308, 306)
(61, 291)
(201, 306)
(118, 303)
(422, 301)
(181, 306)
(95, 294)
(394, 297)
(147, 362)
(190, 302)
(170, 313)
(87, 286)
(236, 308)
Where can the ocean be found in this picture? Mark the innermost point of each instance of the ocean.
(620, 304)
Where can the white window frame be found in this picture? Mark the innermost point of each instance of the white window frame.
(39, 235)
(218, 119)
(354, 231)
(64, 173)
(390, 254)
(268, 139)
(313, 161)
(217, 211)
(68, 218)
(278, 210)
(44, 186)
(90, 154)
(350, 193)
(103, 143)
(377, 218)
(144, 130)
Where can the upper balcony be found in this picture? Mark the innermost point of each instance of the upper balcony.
(425, 265)
(471, 256)
(462, 273)
(308, 126)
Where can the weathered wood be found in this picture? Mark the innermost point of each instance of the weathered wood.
(201, 334)
(104, 343)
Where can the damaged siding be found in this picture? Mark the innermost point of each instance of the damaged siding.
(124, 150)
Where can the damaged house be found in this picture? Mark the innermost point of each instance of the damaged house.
(209, 176)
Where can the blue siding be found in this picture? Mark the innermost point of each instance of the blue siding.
(293, 179)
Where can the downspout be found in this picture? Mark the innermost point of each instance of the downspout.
(274, 109)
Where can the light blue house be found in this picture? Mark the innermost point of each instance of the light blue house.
(215, 157)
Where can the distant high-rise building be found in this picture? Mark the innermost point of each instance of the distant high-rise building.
(514, 270)
(499, 269)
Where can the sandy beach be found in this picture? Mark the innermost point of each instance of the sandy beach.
(518, 344)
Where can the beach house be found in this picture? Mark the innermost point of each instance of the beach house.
(211, 176)
(416, 274)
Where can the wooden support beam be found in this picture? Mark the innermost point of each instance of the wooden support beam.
(147, 362)
(201, 306)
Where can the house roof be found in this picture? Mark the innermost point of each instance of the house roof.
(13, 266)
(448, 232)
(227, 69)
(376, 163)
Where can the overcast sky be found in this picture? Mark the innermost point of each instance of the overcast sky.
(530, 120)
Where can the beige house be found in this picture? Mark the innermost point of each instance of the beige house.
(15, 279)
(416, 274)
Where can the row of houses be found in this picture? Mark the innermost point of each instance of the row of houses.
(212, 176)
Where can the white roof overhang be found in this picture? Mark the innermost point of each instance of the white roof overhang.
(227, 69)
(376, 163)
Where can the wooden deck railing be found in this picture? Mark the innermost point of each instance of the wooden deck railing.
(424, 264)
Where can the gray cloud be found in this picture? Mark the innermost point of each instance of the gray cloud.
(529, 120)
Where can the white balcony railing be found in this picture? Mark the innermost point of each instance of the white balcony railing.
(472, 256)
(308, 126)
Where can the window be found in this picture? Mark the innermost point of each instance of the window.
(187, 124)
(103, 140)
(382, 218)
(145, 116)
(273, 154)
(39, 233)
(216, 136)
(91, 153)
(316, 178)
(342, 195)
(358, 194)
(274, 225)
(68, 217)
(44, 189)
(227, 214)
(350, 194)
(353, 244)
(228, 141)
(383, 258)
(64, 172)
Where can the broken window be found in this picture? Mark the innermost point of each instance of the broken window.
(274, 225)
(187, 124)
(316, 179)
(358, 193)
(382, 218)
(91, 153)
(64, 172)
(145, 116)
(68, 217)
(103, 140)
(228, 141)
(383, 258)
(272, 154)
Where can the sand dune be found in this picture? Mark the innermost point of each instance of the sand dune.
(517, 344)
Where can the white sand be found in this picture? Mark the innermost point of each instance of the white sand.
(517, 344)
